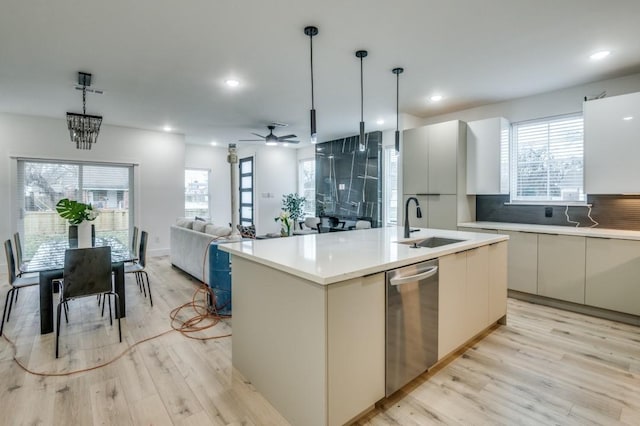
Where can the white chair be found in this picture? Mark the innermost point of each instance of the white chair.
(363, 224)
(309, 226)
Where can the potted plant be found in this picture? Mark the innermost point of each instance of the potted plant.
(81, 233)
(293, 204)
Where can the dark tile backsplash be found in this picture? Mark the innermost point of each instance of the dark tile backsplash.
(610, 211)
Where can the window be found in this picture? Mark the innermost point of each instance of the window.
(41, 184)
(390, 186)
(547, 160)
(196, 193)
(246, 191)
(307, 185)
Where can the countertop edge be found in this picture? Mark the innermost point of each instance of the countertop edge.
(555, 229)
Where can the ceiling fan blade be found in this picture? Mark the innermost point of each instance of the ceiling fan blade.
(286, 137)
(250, 140)
(260, 136)
(290, 141)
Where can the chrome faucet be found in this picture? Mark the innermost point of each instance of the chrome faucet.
(406, 214)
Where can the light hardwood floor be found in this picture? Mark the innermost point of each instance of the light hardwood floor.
(545, 367)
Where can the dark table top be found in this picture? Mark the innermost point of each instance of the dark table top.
(50, 255)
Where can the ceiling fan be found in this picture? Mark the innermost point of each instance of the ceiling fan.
(271, 139)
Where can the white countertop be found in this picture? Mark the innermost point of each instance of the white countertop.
(554, 229)
(338, 256)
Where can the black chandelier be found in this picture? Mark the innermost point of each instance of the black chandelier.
(361, 54)
(397, 72)
(83, 128)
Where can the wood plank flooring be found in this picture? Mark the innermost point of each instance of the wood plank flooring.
(545, 367)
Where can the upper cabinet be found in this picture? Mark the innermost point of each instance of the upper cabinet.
(612, 145)
(430, 158)
(487, 156)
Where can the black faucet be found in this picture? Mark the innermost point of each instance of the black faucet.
(406, 214)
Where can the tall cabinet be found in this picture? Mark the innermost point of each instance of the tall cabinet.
(434, 162)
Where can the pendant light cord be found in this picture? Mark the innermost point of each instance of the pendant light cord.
(361, 93)
(311, 44)
(397, 99)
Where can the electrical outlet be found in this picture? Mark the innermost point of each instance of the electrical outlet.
(548, 212)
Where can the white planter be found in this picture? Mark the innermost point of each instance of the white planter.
(84, 235)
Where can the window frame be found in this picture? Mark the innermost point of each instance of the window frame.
(310, 204)
(515, 184)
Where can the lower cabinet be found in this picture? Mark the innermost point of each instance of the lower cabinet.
(523, 261)
(472, 294)
(613, 275)
(561, 267)
(498, 264)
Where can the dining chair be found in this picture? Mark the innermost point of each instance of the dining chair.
(134, 242)
(138, 268)
(16, 282)
(20, 261)
(87, 272)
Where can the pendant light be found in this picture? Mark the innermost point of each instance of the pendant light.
(397, 72)
(312, 31)
(361, 54)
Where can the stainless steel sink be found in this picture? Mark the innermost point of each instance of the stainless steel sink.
(431, 242)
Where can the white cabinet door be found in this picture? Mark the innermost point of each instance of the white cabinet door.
(415, 161)
(485, 138)
(561, 267)
(443, 156)
(477, 292)
(611, 148)
(613, 275)
(442, 212)
(452, 320)
(497, 281)
(523, 261)
(356, 346)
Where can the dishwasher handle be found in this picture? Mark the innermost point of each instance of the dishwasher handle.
(413, 278)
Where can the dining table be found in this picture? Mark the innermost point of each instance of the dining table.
(48, 261)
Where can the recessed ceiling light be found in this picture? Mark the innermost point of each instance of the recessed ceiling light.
(232, 83)
(380, 121)
(435, 98)
(627, 118)
(600, 55)
(167, 128)
(214, 143)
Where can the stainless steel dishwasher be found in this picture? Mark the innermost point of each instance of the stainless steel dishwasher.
(412, 323)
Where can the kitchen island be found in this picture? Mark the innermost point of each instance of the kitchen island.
(309, 312)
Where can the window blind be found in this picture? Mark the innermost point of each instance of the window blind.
(547, 160)
(307, 185)
(196, 193)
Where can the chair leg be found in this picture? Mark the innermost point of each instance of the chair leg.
(66, 312)
(58, 327)
(144, 290)
(4, 312)
(16, 296)
(10, 304)
(148, 286)
(110, 316)
(118, 314)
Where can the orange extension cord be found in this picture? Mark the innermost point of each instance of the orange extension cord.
(186, 327)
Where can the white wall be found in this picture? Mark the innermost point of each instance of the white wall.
(276, 174)
(564, 101)
(214, 159)
(159, 176)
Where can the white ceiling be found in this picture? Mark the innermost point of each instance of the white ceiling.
(164, 62)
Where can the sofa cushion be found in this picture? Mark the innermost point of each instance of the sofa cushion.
(218, 231)
(185, 223)
(199, 226)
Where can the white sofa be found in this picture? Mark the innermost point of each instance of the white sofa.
(189, 249)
